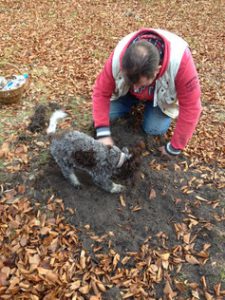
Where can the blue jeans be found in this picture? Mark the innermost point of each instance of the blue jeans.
(155, 122)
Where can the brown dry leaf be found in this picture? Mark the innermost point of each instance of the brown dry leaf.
(177, 201)
(87, 226)
(84, 289)
(168, 290)
(99, 239)
(13, 282)
(71, 210)
(21, 189)
(142, 175)
(136, 208)
(193, 222)
(96, 249)
(195, 294)
(186, 238)
(125, 260)
(101, 286)
(49, 274)
(204, 282)
(217, 288)
(111, 233)
(116, 259)
(165, 264)
(50, 296)
(160, 271)
(181, 286)
(24, 239)
(201, 198)
(40, 144)
(54, 245)
(177, 168)
(203, 254)
(152, 194)
(21, 149)
(191, 259)
(95, 298)
(4, 150)
(3, 278)
(165, 256)
(206, 246)
(193, 285)
(122, 201)
(208, 296)
(34, 260)
(75, 285)
(82, 259)
(128, 295)
(146, 153)
(94, 286)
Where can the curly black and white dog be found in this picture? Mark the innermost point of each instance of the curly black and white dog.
(76, 150)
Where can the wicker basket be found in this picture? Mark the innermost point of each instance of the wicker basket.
(12, 96)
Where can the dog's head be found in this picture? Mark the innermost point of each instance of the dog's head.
(130, 165)
(118, 157)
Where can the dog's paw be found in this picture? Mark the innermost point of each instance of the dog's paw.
(77, 186)
(117, 188)
(74, 181)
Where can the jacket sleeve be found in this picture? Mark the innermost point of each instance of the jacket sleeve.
(102, 92)
(188, 95)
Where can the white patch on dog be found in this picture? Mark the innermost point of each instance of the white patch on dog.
(57, 115)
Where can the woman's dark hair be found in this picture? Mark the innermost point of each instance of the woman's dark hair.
(140, 59)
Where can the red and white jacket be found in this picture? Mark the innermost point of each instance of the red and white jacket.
(177, 89)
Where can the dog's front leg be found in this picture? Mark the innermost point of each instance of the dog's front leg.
(68, 172)
(74, 180)
(105, 182)
(117, 188)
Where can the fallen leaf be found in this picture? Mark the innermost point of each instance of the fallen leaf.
(152, 194)
(84, 289)
(191, 259)
(122, 201)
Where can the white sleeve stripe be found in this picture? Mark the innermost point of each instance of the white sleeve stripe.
(105, 132)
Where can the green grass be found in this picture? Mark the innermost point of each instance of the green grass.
(4, 176)
(43, 157)
(1, 164)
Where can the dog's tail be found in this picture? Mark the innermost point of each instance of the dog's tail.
(57, 115)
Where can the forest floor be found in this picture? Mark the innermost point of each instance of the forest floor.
(164, 237)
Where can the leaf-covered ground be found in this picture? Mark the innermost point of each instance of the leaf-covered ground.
(161, 239)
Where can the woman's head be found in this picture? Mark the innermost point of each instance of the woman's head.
(140, 63)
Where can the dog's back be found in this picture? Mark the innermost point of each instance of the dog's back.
(78, 146)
